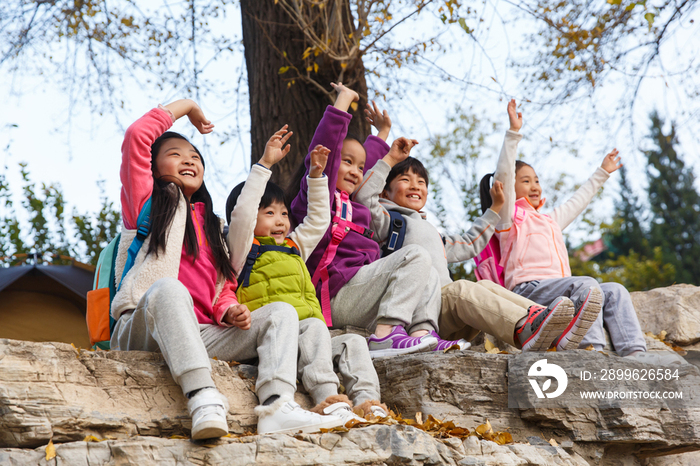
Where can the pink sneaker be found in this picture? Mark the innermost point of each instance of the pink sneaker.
(444, 344)
(398, 342)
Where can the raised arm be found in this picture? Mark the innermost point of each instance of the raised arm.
(311, 230)
(373, 185)
(330, 133)
(568, 211)
(244, 216)
(505, 168)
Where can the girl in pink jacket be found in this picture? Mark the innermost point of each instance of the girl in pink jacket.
(536, 262)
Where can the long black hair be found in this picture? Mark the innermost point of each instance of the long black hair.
(164, 202)
(485, 186)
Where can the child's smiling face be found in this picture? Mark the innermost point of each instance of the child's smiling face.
(352, 166)
(273, 221)
(527, 185)
(408, 190)
(178, 160)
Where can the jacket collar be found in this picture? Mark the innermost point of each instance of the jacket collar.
(524, 203)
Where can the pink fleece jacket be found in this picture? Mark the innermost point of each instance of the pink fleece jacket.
(199, 276)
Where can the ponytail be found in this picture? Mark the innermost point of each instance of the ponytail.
(484, 192)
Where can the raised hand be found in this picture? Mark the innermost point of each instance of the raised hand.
(238, 315)
(400, 150)
(611, 162)
(515, 117)
(345, 97)
(319, 158)
(378, 119)
(275, 149)
(199, 121)
(498, 197)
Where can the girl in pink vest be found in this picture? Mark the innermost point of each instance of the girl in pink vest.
(536, 261)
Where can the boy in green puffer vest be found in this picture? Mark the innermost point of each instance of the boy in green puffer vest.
(270, 267)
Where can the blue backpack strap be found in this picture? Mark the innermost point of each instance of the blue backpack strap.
(255, 251)
(142, 229)
(397, 233)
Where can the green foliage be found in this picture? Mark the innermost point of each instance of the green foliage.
(41, 229)
(634, 271)
(674, 203)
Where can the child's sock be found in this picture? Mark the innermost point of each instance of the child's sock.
(270, 400)
(189, 395)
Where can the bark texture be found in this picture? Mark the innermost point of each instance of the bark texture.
(268, 33)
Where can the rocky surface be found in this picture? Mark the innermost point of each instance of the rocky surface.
(53, 391)
(674, 309)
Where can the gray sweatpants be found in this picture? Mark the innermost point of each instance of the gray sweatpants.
(400, 289)
(164, 321)
(351, 357)
(618, 314)
(315, 363)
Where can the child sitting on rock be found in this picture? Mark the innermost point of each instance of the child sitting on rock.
(179, 296)
(269, 262)
(396, 297)
(400, 183)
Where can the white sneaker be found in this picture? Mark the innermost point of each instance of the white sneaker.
(208, 410)
(285, 416)
(343, 411)
(379, 411)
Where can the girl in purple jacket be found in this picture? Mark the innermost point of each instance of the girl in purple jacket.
(398, 297)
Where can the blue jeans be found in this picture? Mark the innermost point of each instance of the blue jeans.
(618, 314)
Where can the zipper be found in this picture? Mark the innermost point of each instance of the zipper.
(198, 231)
(554, 241)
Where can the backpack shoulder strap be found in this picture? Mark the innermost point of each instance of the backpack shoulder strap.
(143, 228)
(397, 233)
(256, 251)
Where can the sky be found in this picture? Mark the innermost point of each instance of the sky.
(70, 145)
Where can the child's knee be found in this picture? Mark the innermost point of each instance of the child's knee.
(281, 313)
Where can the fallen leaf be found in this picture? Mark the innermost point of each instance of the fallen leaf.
(92, 438)
(662, 335)
(552, 349)
(553, 442)
(490, 347)
(589, 348)
(452, 348)
(419, 417)
(50, 451)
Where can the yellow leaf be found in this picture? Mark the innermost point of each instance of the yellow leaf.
(307, 52)
(553, 442)
(350, 36)
(662, 335)
(589, 348)
(91, 438)
(353, 105)
(553, 349)
(490, 347)
(343, 65)
(419, 417)
(503, 438)
(50, 451)
(283, 70)
(366, 32)
(315, 67)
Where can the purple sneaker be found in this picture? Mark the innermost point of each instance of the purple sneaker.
(398, 342)
(444, 344)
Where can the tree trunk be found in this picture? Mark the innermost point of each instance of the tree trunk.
(268, 33)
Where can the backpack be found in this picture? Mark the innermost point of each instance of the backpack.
(488, 263)
(397, 233)
(100, 322)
